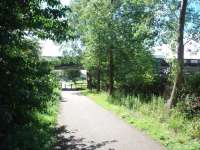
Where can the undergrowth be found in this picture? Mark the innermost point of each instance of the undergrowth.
(39, 133)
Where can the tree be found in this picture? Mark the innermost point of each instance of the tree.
(116, 37)
(27, 83)
(92, 33)
(72, 75)
(180, 53)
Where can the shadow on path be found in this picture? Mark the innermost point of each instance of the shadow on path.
(73, 89)
(67, 141)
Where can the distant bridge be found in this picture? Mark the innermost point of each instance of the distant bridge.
(69, 66)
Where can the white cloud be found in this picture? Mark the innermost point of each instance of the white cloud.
(49, 48)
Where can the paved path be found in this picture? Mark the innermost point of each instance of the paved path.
(84, 125)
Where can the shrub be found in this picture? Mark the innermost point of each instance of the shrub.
(192, 84)
(27, 86)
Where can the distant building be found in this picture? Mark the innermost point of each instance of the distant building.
(191, 57)
(191, 66)
(191, 51)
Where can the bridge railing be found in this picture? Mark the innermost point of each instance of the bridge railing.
(71, 86)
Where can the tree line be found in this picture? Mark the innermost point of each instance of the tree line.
(119, 36)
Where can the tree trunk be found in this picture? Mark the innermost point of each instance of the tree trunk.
(110, 55)
(89, 81)
(111, 71)
(98, 78)
(180, 54)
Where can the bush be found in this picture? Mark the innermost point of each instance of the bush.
(27, 86)
(192, 84)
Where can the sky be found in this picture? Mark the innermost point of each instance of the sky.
(50, 48)
(191, 51)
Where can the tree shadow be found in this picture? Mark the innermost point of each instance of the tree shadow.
(73, 89)
(63, 100)
(67, 141)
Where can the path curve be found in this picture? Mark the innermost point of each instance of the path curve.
(84, 125)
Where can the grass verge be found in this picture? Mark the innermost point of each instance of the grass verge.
(172, 129)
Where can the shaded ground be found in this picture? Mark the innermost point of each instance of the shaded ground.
(68, 141)
(83, 125)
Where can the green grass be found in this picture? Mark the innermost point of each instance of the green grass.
(39, 133)
(171, 128)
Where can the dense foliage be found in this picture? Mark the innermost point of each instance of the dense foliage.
(27, 86)
(118, 40)
(122, 32)
(27, 83)
(119, 37)
(113, 40)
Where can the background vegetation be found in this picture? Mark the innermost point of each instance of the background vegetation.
(114, 42)
(118, 38)
(29, 89)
